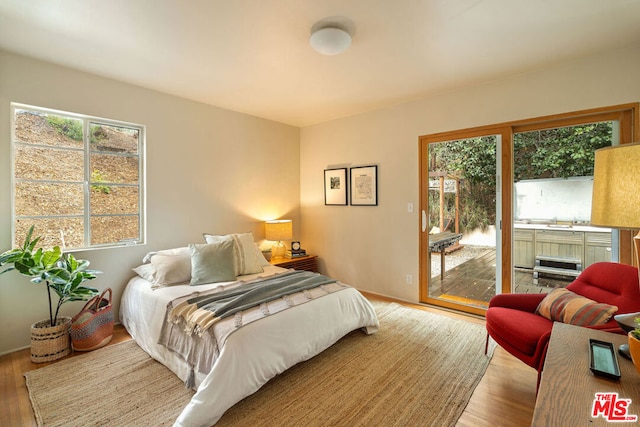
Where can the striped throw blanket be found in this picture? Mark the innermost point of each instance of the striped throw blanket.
(198, 325)
(203, 311)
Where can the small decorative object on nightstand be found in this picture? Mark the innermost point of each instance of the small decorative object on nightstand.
(307, 262)
(296, 251)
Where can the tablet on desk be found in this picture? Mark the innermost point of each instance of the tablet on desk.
(603, 360)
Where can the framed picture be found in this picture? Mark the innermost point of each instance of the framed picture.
(335, 187)
(364, 186)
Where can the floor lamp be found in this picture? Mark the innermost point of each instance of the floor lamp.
(616, 203)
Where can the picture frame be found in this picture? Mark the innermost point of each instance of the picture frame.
(335, 187)
(364, 185)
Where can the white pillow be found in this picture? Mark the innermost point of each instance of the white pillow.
(246, 259)
(212, 262)
(171, 269)
(166, 270)
(145, 271)
(261, 259)
(175, 251)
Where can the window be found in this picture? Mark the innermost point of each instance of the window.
(77, 179)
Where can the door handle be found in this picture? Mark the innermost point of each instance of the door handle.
(424, 221)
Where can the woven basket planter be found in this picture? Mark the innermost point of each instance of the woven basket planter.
(50, 343)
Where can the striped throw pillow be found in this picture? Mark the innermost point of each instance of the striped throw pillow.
(246, 258)
(562, 305)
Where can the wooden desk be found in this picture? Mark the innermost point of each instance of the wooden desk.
(568, 388)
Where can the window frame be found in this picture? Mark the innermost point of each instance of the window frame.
(87, 122)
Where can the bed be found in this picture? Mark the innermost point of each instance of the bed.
(250, 355)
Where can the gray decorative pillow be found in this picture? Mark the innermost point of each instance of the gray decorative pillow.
(212, 262)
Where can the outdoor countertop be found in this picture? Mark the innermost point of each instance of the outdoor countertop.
(560, 227)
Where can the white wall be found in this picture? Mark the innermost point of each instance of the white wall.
(213, 170)
(374, 248)
(208, 170)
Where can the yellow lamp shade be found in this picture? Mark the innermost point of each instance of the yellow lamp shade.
(278, 230)
(616, 187)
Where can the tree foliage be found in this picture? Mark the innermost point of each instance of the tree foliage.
(559, 153)
(551, 153)
(71, 128)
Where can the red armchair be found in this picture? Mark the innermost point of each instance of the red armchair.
(512, 322)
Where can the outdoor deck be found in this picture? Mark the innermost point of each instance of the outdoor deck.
(473, 281)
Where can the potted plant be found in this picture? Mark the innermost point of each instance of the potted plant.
(64, 275)
(634, 345)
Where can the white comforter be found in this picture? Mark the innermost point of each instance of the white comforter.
(252, 354)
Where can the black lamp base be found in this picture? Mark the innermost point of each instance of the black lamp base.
(626, 323)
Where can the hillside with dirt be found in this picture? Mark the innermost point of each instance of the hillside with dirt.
(49, 170)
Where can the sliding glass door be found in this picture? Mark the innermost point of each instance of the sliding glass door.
(506, 208)
(552, 183)
(461, 223)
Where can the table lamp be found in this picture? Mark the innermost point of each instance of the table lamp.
(616, 203)
(278, 231)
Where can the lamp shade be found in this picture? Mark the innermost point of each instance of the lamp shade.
(616, 187)
(278, 230)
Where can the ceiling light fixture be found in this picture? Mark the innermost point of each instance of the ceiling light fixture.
(330, 39)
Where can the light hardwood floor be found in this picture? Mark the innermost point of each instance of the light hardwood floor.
(504, 397)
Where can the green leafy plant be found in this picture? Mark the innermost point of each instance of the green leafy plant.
(97, 134)
(97, 179)
(62, 273)
(636, 332)
(68, 127)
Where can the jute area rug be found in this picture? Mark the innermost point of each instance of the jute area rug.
(419, 369)
(119, 385)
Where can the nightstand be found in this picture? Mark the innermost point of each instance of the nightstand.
(308, 263)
